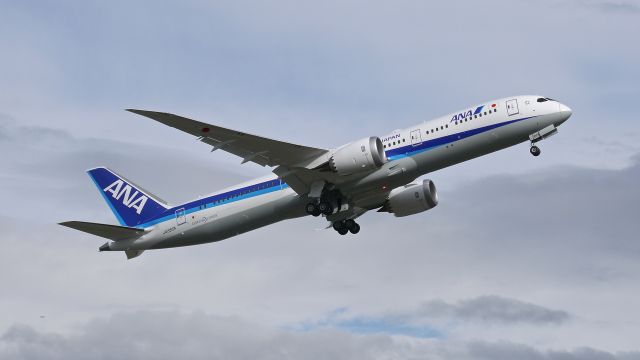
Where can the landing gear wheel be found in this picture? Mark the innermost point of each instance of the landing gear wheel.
(340, 227)
(352, 226)
(312, 209)
(325, 208)
(535, 151)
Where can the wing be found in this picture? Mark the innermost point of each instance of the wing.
(257, 149)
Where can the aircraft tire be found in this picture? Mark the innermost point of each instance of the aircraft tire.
(312, 209)
(535, 151)
(325, 208)
(350, 224)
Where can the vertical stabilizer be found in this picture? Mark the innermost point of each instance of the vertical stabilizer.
(131, 205)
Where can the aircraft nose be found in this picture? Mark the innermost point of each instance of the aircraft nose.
(565, 110)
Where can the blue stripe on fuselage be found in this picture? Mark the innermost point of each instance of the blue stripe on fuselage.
(219, 200)
(409, 150)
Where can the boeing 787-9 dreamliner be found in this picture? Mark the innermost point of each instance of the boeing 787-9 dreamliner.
(341, 184)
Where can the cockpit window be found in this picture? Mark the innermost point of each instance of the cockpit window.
(542, 99)
(550, 99)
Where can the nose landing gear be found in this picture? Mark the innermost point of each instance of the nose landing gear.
(539, 136)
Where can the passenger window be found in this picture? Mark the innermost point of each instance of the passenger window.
(447, 126)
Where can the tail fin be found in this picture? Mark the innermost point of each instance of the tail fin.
(130, 204)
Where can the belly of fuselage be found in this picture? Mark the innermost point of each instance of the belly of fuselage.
(235, 219)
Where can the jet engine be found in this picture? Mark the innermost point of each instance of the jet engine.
(358, 156)
(411, 199)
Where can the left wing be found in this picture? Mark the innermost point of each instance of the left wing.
(260, 150)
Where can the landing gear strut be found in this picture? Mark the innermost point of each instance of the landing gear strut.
(345, 226)
(535, 151)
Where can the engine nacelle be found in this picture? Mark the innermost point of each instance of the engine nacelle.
(412, 199)
(358, 156)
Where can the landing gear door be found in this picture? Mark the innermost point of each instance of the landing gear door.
(180, 216)
(416, 138)
(512, 107)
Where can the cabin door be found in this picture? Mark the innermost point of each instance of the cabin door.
(416, 138)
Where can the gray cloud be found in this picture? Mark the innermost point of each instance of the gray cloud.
(557, 241)
(61, 159)
(171, 335)
(628, 7)
(490, 309)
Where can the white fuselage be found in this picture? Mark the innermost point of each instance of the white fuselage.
(412, 152)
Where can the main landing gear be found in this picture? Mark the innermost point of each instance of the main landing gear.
(345, 226)
(535, 151)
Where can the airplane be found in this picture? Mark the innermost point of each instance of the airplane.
(339, 184)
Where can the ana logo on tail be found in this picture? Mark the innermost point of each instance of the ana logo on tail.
(129, 200)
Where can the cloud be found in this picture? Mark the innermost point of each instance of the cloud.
(437, 318)
(489, 309)
(624, 7)
(62, 159)
(535, 237)
(171, 335)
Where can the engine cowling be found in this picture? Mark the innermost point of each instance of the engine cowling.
(412, 199)
(358, 156)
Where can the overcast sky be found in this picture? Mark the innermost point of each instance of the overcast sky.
(528, 258)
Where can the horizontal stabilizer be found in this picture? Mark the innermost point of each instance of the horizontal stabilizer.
(112, 232)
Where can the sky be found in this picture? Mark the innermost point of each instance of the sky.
(529, 258)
